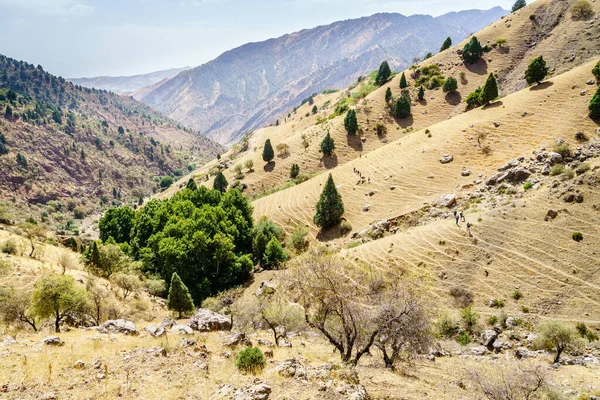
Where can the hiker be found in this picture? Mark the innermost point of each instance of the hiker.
(469, 228)
(455, 212)
(486, 272)
(369, 179)
(462, 217)
(457, 219)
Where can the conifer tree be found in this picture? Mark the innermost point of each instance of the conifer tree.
(388, 95)
(220, 183)
(450, 85)
(472, 51)
(274, 253)
(447, 44)
(518, 5)
(489, 91)
(403, 84)
(8, 113)
(180, 299)
(401, 107)
(384, 73)
(191, 184)
(327, 145)
(314, 110)
(421, 94)
(294, 171)
(596, 72)
(351, 123)
(536, 71)
(330, 207)
(268, 153)
(595, 105)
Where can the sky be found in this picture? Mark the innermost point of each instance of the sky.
(84, 38)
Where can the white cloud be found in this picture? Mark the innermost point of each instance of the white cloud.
(51, 7)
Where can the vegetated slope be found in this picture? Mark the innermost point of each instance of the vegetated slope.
(559, 41)
(87, 146)
(247, 87)
(127, 84)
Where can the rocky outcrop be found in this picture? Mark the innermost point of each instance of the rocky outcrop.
(53, 341)
(158, 330)
(514, 175)
(208, 321)
(121, 326)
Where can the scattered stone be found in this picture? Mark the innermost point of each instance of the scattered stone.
(53, 341)
(285, 343)
(522, 352)
(238, 339)
(488, 337)
(583, 92)
(184, 342)
(258, 391)
(371, 193)
(496, 124)
(446, 200)
(514, 175)
(479, 350)
(158, 330)
(466, 173)
(266, 343)
(182, 329)
(591, 82)
(291, 368)
(551, 214)
(118, 326)
(79, 364)
(49, 396)
(208, 321)
(555, 158)
(446, 159)
(366, 208)
(266, 288)
(8, 340)
(392, 187)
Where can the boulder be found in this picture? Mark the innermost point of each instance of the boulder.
(181, 329)
(118, 326)
(446, 200)
(264, 342)
(446, 159)
(366, 208)
(514, 175)
(257, 391)
(466, 173)
(291, 368)
(79, 364)
(555, 158)
(522, 352)
(53, 341)
(238, 339)
(158, 330)
(551, 214)
(208, 321)
(479, 350)
(8, 340)
(488, 337)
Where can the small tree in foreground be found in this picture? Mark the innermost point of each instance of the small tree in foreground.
(536, 71)
(268, 154)
(384, 73)
(250, 360)
(180, 299)
(330, 206)
(556, 336)
(327, 145)
(57, 296)
(220, 183)
(401, 107)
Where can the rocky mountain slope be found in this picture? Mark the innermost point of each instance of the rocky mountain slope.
(67, 144)
(251, 86)
(127, 84)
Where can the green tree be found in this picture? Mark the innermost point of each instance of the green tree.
(104, 260)
(165, 182)
(330, 206)
(314, 110)
(450, 85)
(220, 183)
(403, 84)
(421, 94)
(3, 149)
(117, 223)
(57, 296)
(388, 95)
(351, 123)
(518, 5)
(191, 185)
(472, 51)
(268, 154)
(489, 91)
(384, 73)
(536, 71)
(9, 112)
(327, 145)
(446, 45)
(262, 233)
(274, 253)
(121, 130)
(594, 106)
(596, 72)
(401, 107)
(15, 306)
(180, 299)
(294, 171)
(555, 336)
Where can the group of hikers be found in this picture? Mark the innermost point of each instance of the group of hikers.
(362, 178)
(459, 216)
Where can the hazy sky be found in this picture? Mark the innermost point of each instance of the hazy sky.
(76, 38)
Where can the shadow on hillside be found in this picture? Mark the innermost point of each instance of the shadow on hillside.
(329, 162)
(479, 68)
(453, 98)
(355, 142)
(494, 104)
(326, 235)
(422, 102)
(542, 86)
(405, 122)
(269, 167)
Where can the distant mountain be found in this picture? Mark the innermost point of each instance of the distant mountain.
(252, 85)
(127, 84)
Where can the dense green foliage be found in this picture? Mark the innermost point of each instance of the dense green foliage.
(191, 184)
(3, 149)
(294, 171)
(429, 76)
(489, 91)
(401, 107)
(446, 45)
(473, 98)
(384, 73)
(330, 206)
(388, 95)
(262, 233)
(117, 223)
(450, 85)
(220, 183)
(403, 84)
(351, 123)
(536, 71)
(594, 106)
(596, 72)
(268, 154)
(179, 299)
(203, 235)
(421, 94)
(274, 254)
(56, 296)
(518, 5)
(250, 360)
(472, 51)
(327, 145)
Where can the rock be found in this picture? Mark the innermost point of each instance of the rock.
(573, 198)
(446, 200)
(53, 341)
(522, 352)
(551, 214)
(394, 187)
(466, 173)
(383, 224)
(266, 343)
(514, 175)
(446, 159)
(266, 288)
(555, 158)
(291, 368)
(371, 193)
(223, 392)
(208, 321)
(496, 124)
(182, 329)
(511, 322)
(357, 393)
(238, 339)
(479, 350)
(8, 340)
(285, 343)
(158, 330)
(488, 337)
(118, 326)
(545, 170)
(79, 364)
(184, 342)
(583, 92)
(258, 391)
(591, 82)
(366, 208)
(49, 396)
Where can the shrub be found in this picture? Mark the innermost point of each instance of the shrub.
(294, 170)
(581, 10)
(524, 309)
(497, 303)
(557, 169)
(127, 282)
(591, 336)
(250, 360)
(274, 253)
(237, 168)
(582, 329)
(165, 182)
(446, 326)
(380, 129)
(469, 318)
(517, 295)
(500, 41)
(283, 150)
(492, 320)
(463, 338)
(555, 336)
(536, 71)
(594, 105)
(577, 236)
(9, 247)
(518, 5)
(345, 227)
(580, 136)
(429, 76)
(472, 51)
(596, 71)
(528, 185)
(450, 85)
(563, 149)
(463, 297)
(298, 239)
(79, 212)
(220, 183)
(473, 99)
(157, 287)
(249, 164)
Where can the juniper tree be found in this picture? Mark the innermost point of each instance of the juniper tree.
(596, 72)
(401, 107)
(351, 123)
(220, 183)
(450, 85)
(536, 71)
(421, 94)
(594, 106)
(180, 299)
(327, 145)
(294, 170)
(191, 184)
(447, 44)
(330, 206)
(274, 253)
(489, 91)
(403, 84)
(268, 154)
(384, 73)
(315, 109)
(518, 5)
(388, 95)
(472, 51)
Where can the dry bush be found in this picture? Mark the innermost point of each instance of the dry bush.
(283, 150)
(462, 296)
(582, 10)
(128, 283)
(66, 261)
(10, 246)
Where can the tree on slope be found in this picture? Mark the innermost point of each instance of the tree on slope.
(447, 44)
(384, 73)
(180, 299)
(191, 185)
(327, 145)
(351, 123)
(596, 72)
(220, 183)
(472, 51)
(401, 107)
(56, 296)
(403, 84)
(489, 91)
(518, 5)
(388, 95)
(594, 106)
(268, 153)
(450, 85)
(330, 206)
(421, 94)
(536, 71)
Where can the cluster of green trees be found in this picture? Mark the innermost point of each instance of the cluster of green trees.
(484, 95)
